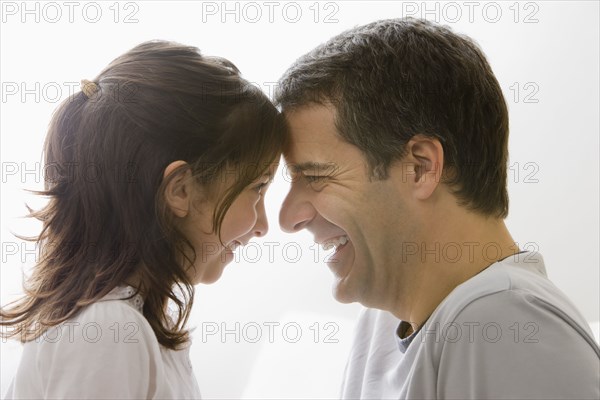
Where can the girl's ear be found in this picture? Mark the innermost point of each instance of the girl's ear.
(178, 193)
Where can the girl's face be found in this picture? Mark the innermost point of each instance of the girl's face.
(244, 220)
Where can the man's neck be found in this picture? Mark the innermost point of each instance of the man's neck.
(480, 245)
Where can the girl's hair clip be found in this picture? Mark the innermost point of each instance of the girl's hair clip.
(89, 88)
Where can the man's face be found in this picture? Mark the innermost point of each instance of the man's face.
(331, 196)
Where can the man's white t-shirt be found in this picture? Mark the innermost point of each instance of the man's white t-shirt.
(506, 333)
(107, 351)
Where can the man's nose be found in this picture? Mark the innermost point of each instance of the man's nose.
(296, 212)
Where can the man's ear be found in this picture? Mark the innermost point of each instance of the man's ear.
(178, 190)
(425, 158)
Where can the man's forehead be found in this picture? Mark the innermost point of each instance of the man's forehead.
(313, 138)
(311, 117)
(308, 155)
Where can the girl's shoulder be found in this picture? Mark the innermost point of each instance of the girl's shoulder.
(114, 322)
(118, 306)
(107, 350)
(117, 309)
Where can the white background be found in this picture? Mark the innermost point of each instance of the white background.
(548, 51)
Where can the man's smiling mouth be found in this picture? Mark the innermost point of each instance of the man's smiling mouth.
(337, 242)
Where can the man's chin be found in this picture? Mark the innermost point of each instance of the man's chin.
(342, 293)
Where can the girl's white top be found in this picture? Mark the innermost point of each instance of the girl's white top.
(107, 351)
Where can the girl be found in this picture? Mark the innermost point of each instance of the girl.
(156, 172)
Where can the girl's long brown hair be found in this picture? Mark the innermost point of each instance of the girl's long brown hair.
(105, 155)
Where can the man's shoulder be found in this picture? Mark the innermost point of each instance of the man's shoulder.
(516, 279)
(511, 299)
(510, 324)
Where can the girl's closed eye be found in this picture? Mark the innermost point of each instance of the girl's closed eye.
(260, 187)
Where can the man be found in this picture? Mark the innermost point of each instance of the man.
(398, 149)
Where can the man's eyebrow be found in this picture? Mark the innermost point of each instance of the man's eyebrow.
(313, 166)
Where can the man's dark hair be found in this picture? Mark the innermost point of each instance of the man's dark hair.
(390, 80)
